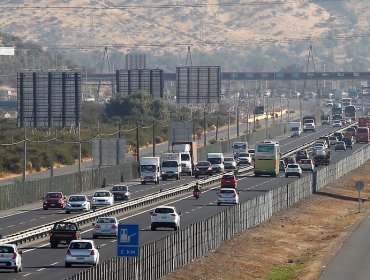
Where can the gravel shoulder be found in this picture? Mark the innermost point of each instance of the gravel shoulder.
(297, 242)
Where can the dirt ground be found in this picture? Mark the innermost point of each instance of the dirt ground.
(301, 239)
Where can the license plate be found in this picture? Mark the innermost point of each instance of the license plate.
(2, 264)
(105, 230)
(80, 258)
(53, 204)
(164, 218)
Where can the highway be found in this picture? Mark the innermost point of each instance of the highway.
(40, 260)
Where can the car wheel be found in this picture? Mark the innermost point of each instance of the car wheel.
(196, 176)
(53, 245)
(218, 203)
(299, 176)
(67, 264)
(286, 176)
(152, 227)
(68, 212)
(45, 208)
(176, 228)
(95, 237)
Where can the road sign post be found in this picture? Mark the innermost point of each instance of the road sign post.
(128, 241)
(359, 185)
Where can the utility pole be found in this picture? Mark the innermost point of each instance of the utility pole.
(217, 124)
(228, 126)
(24, 154)
(237, 121)
(153, 139)
(267, 115)
(204, 126)
(137, 141)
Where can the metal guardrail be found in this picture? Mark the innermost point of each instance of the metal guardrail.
(42, 231)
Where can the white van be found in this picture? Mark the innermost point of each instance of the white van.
(217, 162)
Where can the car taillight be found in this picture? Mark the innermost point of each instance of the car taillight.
(76, 234)
(97, 226)
(68, 252)
(114, 226)
(92, 252)
(14, 256)
(154, 214)
(174, 215)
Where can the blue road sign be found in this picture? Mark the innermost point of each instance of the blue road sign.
(128, 241)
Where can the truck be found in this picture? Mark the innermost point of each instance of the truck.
(217, 162)
(325, 119)
(240, 147)
(170, 166)
(189, 156)
(337, 111)
(309, 123)
(63, 233)
(149, 170)
(322, 158)
(295, 129)
(364, 122)
(362, 133)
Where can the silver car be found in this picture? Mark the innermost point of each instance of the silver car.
(105, 226)
(229, 163)
(82, 251)
(77, 203)
(10, 257)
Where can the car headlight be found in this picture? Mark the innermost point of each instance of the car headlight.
(69, 204)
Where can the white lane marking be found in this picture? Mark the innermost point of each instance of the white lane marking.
(10, 226)
(22, 223)
(29, 250)
(103, 245)
(55, 263)
(42, 217)
(21, 212)
(41, 269)
(32, 220)
(26, 274)
(112, 241)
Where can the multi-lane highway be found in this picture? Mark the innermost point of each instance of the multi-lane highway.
(40, 260)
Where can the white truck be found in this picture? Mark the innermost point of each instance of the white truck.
(170, 166)
(217, 162)
(295, 129)
(149, 170)
(189, 156)
(240, 147)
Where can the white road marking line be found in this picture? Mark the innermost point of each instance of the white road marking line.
(41, 269)
(32, 220)
(29, 250)
(20, 223)
(103, 245)
(10, 226)
(55, 263)
(112, 241)
(27, 274)
(22, 212)
(42, 217)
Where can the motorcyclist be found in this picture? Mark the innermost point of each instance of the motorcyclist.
(197, 189)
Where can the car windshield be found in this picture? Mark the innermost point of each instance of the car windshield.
(293, 166)
(77, 198)
(227, 191)
(185, 157)
(53, 195)
(119, 188)
(240, 146)
(228, 159)
(164, 210)
(214, 160)
(228, 177)
(80, 245)
(6, 249)
(101, 194)
(105, 220)
(170, 164)
(305, 161)
(203, 163)
(65, 227)
(243, 155)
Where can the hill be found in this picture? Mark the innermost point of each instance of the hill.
(237, 34)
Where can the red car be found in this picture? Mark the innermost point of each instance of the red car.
(54, 200)
(229, 181)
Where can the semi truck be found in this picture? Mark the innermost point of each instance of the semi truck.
(149, 170)
(170, 166)
(295, 129)
(309, 123)
(189, 156)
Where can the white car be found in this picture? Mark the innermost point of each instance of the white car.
(244, 158)
(77, 203)
(293, 170)
(316, 148)
(333, 140)
(306, 165)
(102, 198)
(337, 123)
(229, 163)
(165, 217)
(105, 226)
(251, 152)
(82, 251)
(321, 142)
(227, 196)
(10, 257)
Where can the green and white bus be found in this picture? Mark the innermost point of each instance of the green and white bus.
(267, 156)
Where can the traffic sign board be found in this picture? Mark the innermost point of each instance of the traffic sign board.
(359, 185)
(128, 241)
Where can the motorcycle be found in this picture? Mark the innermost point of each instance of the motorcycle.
(196, 194)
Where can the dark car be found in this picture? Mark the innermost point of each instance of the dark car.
(54, 200)
(282, 165)
(203, 168)
(349, 142)
(289, 160)
(351, 130)
(301, 154)
(63, 233)
(340, 146)
(339, 135)
(121, 192)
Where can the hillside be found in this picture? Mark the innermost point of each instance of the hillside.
(237, 34)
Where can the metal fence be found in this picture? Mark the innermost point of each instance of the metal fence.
(160, 257)
(21, 193)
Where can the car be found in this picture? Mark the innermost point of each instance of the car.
(227, 196)
(82, 251)
(121, 192)
(63, 233)
(349, 141)
(10, 257)
(317, 147)
(102, 198)
(77, 202)
(337, 123)
(105, 226)
(325, 138)
(339, 135)
(229, 163)
(54, 200)
(333, 140)
(321, 142)
(289, 160)
(165, 217)
(229, 181)
(293, 170)
(351, 130)
(340, 146)
(329, 103)
(306, 165)
(301, 154)
(244, 158)
(282, 165)
(252, 152)
(203, 168)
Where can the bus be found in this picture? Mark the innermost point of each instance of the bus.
(350, 112)
(346, 101)
(336, 112)
(266, 158)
